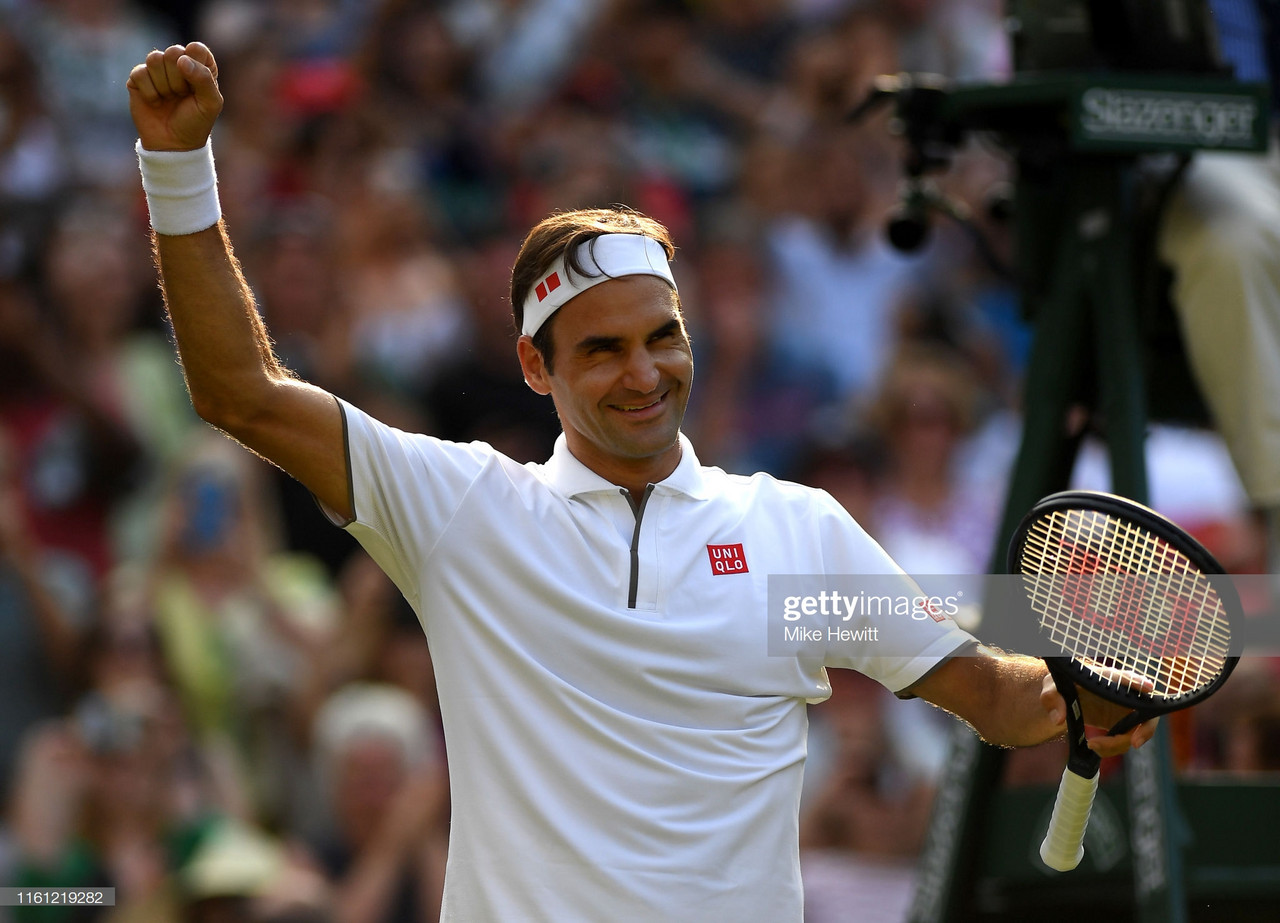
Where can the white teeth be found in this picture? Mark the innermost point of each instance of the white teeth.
(641, 407)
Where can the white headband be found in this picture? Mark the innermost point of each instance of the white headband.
(606, 257)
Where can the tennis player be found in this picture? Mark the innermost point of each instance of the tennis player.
(620, 745)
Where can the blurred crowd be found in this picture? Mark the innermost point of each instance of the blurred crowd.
(210, 699)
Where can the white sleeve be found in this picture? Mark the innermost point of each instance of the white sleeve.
(907, 645)
(405, 489)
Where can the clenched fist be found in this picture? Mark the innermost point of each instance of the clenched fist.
(174, 98)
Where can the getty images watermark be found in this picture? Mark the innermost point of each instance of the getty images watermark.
(817, 615)
(872, 614)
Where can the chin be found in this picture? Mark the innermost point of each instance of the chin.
(657, 447)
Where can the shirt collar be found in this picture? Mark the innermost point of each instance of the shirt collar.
(571, 477)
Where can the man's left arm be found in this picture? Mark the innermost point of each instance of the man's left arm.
(1011, 701)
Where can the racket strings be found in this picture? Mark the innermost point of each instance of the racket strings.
(1087, 596)
(1124, 603)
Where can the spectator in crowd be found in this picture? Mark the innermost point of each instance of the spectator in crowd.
(100, 792)
(292, 265)
(522, 50)
(749, 410)
(840, 287)
(100, 296)
(408, 311)
(241, 622)
(863, 820)
(70, 447)
(82, 46)
(382, 779)
(966, 41)
(33, 163)
(922, 513)
(98, 290)
(478, 394)
(237, 873)
(40, 638)
(424, 102)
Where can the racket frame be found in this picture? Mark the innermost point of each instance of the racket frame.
(1146, 705)
(1063, 845)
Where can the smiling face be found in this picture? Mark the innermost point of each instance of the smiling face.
(623, 368)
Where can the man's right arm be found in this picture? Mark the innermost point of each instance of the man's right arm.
(236, 382)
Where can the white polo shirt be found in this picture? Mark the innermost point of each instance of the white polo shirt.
(621, 747)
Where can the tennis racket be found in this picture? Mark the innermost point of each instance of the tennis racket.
(1125, 596)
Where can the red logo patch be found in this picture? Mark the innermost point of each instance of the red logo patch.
(547, 286)
(727, 559)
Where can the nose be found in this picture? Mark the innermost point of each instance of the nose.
(641, 373)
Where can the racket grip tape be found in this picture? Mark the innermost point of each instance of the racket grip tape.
(1063, 845)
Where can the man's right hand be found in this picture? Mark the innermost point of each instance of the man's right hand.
(174, 98)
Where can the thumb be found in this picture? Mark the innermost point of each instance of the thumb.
(203, 84)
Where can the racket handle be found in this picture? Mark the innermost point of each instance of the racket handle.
(1063, 845)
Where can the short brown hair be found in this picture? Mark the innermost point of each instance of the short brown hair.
(563, 233)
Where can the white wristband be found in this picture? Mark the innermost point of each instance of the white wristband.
(181, 188)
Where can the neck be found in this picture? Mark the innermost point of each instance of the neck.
(631, 474)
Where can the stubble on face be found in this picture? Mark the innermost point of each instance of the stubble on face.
(623, 368)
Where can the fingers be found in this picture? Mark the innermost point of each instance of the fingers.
(1120, 744)
(179, 70)
(139, 82)
(156, 78)
(200, 53)
(172, 73)
(202, 79)
(1101, 713)
(1131, 681)
(1052, 702)
(156, 70)
(174, 98)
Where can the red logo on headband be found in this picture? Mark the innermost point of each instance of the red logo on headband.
(548, 286)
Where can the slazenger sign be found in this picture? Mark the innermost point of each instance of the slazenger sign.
(1193, 119)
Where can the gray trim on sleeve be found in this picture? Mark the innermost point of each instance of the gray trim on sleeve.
(351, 484)
(346, 452)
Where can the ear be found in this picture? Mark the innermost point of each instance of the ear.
(535, 372)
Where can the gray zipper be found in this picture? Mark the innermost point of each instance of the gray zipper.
(635, 546)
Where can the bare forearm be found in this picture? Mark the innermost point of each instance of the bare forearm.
(998, 694)
(225, 351)
(235, 381)
(1017, 716)
(1011, 701)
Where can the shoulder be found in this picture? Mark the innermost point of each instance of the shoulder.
(767, 492)
(414, 461)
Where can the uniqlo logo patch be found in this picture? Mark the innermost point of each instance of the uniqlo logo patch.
(547, 286)
(727, 559)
